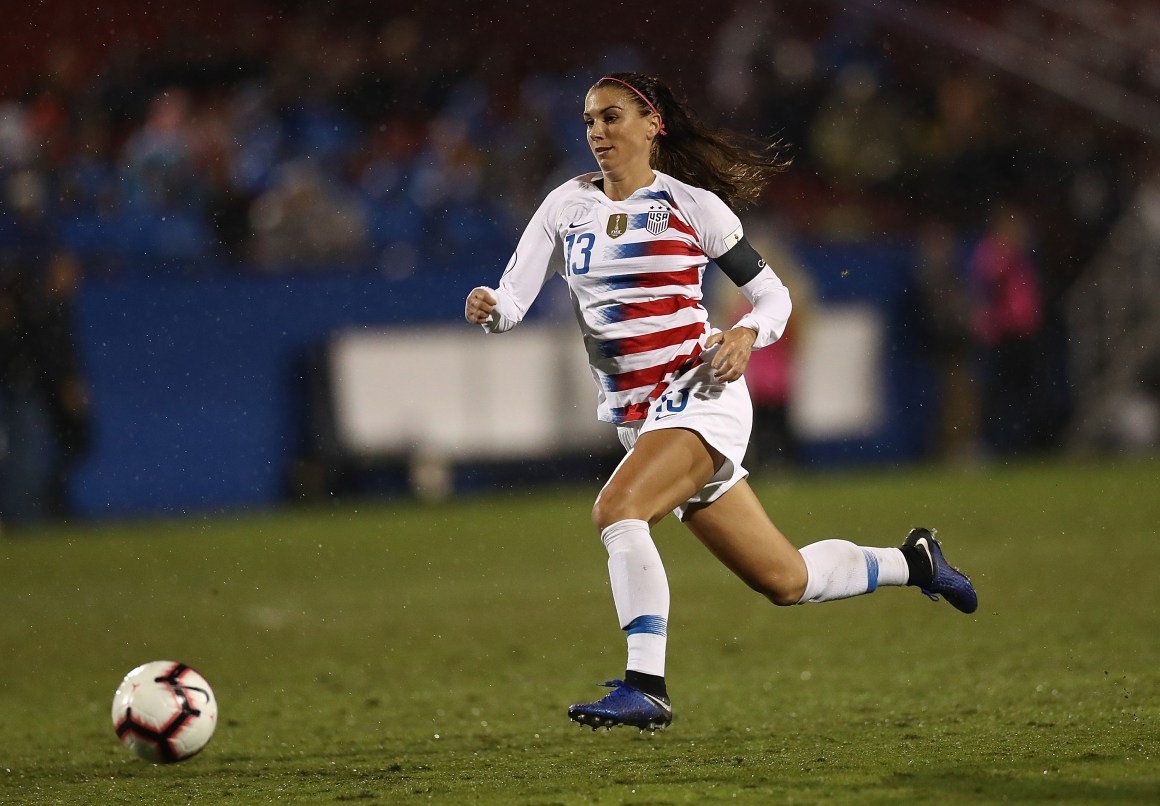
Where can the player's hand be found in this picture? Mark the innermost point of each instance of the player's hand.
(732, 356)
(480, 303)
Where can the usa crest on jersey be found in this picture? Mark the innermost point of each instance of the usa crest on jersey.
(658, 221)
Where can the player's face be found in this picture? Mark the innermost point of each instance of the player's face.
(619, 136)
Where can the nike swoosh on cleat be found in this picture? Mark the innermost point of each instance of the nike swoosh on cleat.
(659, 703)
(922, 541)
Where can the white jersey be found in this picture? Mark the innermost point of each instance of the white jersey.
(634, 271)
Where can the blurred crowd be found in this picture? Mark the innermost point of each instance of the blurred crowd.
(324, 142)
(327, 141)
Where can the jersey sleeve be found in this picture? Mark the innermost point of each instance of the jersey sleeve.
(716, 224)
(720, 231)
(771, 307)
(528, 268)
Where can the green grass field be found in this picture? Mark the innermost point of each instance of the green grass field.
(402, 653)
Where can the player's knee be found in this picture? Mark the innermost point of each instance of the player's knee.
(610, 508)
(783, 597)
(780, 589)
(602, 514)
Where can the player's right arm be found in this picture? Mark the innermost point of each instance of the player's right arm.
(480, 303)
(501, 309)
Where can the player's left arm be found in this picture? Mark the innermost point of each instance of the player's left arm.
(762, 287)
(764, 324)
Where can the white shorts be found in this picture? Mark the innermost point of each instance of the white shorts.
(722, 413)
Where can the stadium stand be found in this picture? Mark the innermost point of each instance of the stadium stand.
(409, 145)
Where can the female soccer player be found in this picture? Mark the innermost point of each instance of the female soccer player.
(637, 236)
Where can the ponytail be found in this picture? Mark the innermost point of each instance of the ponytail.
(735, 167)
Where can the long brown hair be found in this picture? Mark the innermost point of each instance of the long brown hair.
(735, 167)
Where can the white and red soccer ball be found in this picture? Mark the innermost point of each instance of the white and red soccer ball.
(164, 712)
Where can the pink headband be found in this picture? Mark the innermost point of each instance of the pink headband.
(643, 98)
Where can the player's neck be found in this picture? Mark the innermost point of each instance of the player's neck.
(619, 187)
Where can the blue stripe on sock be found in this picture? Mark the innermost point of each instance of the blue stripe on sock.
(871, 570)
(656, 625)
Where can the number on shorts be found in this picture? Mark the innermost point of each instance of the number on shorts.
(672, 402)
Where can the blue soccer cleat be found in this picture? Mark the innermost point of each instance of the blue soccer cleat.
(946, 580)
(625, 705)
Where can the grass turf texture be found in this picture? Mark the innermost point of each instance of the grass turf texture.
(406, 653)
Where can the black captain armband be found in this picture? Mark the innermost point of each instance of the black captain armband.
(741, 263)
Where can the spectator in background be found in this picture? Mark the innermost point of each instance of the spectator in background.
(44, 424)
(773, 443)
(944, 319)
(770, 377)
(307, 220)
(963, 150)
(1006, 319)
(159, 170)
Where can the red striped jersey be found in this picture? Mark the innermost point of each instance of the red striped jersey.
(634, 271)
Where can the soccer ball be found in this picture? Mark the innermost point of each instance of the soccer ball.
(164, 712)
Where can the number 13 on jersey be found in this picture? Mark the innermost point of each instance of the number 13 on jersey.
(578, 259)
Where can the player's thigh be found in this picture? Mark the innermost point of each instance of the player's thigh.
(663, 470)
(738, 531)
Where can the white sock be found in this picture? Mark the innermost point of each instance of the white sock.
(640, 589)
(839, 569)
